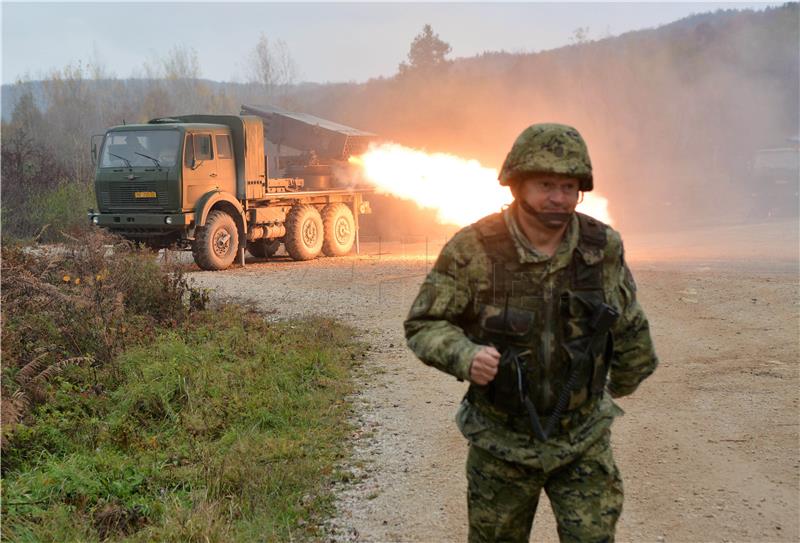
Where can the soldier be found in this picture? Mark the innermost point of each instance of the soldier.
(536, 308)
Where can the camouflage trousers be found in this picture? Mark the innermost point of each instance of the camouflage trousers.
(586, 497)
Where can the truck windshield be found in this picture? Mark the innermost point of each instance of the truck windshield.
(139, 148)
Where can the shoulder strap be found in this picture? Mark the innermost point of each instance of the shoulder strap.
(496, 238)
(587, 269)
(592, 233)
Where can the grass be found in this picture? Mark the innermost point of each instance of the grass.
(221, 428)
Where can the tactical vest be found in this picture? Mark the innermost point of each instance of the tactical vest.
(552, 323)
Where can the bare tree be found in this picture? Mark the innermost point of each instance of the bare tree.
(262, 64)
(272, 68)
(185, 92)
(71, 114)
(181, 63)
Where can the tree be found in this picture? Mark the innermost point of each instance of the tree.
(175, 85)
(30, 168)
(26, 116)
(181, 63)
(272, 68)
(427, 52)
(580, 35)
(71, 114)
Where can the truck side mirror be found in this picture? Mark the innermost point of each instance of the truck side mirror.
(94, 147)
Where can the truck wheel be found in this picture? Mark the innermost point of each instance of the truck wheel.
(216, 243)
(340, 229)
(303, 240)
(263, 248)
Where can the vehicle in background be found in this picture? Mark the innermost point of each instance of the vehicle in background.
(202, 182)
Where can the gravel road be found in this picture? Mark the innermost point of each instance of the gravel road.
(708, 448)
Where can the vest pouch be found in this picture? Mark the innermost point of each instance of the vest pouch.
(583, 345)
(505, 325)
(577, 309)
(508, 387)
(508, 329)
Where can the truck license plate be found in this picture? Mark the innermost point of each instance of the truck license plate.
(145, 194)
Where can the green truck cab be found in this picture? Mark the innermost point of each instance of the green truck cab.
(200, 182)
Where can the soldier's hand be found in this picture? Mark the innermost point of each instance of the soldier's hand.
(484, 366)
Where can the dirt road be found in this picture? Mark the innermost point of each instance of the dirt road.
(709, 447)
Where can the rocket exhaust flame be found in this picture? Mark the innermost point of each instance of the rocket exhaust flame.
(460, 190)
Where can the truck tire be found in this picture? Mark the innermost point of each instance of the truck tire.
(216, 243)
(263, 248)
(340, 229)
(303, 240)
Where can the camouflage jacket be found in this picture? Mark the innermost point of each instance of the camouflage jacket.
(434, 331)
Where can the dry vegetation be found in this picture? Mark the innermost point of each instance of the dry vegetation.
(133, 411)
(81, 303)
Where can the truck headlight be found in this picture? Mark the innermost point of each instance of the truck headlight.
(95, 220)
(168, 220)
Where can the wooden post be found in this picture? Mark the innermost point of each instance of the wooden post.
(356, 211)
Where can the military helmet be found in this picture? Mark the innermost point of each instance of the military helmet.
(548, 148)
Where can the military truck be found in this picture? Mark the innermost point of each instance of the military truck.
(220, 184)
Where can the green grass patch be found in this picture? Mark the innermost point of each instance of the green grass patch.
(62, 209)
(223, 428)
(50, 214)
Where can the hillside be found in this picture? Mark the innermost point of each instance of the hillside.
(673, 115)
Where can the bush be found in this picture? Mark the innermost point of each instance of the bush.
(80, 304)
(62, 209)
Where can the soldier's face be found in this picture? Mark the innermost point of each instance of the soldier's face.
(548, 200)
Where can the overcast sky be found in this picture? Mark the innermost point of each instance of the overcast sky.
(329, 42)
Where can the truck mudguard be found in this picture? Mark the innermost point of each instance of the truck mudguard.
(211, 198)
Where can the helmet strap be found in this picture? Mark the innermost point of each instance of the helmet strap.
(551, 221)
(526, 207)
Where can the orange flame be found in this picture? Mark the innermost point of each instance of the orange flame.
(460, 190)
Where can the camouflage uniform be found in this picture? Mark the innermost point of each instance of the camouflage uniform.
(490, 285)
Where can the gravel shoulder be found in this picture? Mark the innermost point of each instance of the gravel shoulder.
(708, 448)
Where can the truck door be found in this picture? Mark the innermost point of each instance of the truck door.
(199, 167)
(226, 170)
